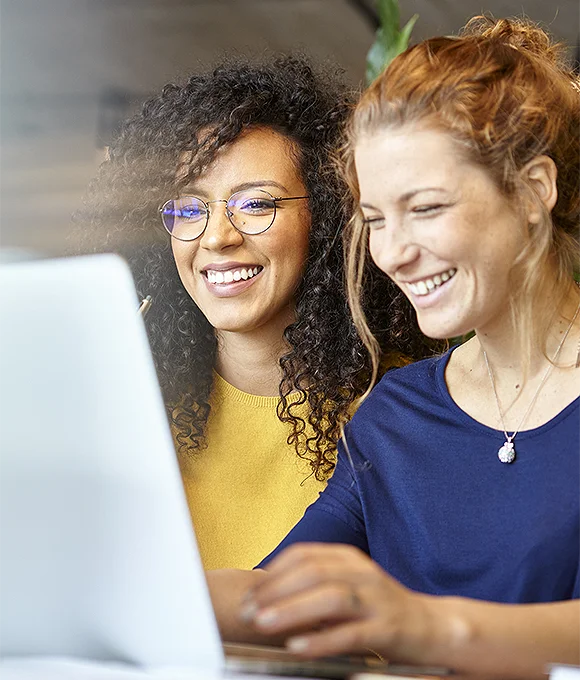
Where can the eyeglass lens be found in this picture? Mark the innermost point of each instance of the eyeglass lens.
(251, 212)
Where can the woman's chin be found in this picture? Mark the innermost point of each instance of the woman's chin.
(443, 331)
(231, 326)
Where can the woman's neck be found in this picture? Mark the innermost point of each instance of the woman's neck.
(250, 361)
(503, 348)
(525, 401)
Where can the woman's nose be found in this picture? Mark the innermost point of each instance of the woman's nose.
(392, 248)
(219, 233)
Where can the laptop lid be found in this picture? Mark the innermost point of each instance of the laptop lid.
(98, 556)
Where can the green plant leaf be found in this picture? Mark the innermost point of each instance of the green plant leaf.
(376, 58)
(405, 34)
(389, 40)
(389, 17)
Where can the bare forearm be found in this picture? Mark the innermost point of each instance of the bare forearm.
(514, 641)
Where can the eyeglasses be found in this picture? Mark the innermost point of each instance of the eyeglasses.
(250, 212)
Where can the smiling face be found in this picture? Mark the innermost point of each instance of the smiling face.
(439, 227)
(243, 283)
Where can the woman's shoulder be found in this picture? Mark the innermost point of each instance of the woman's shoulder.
(416, 375)
(406, 387)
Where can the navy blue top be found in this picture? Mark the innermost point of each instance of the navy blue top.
(425, 495)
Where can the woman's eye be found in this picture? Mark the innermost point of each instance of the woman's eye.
(374, 222)
(186, 211)
(257, 205)
(427, 209)
(189, 212)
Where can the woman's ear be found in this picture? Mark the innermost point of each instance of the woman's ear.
(540, 175)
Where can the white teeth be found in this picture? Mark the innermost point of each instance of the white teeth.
(427, 285)
(231, 275)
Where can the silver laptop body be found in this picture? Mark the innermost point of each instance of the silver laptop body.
(97, 553)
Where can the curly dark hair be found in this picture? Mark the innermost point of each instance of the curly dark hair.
(326, 364)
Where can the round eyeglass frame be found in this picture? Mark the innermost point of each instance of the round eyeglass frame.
(274, 199)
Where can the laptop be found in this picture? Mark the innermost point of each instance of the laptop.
(98, 558)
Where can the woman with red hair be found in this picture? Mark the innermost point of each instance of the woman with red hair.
(455, 501)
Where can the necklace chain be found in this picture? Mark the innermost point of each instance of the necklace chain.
(507, 452)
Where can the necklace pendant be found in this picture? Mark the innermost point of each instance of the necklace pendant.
(507, 453)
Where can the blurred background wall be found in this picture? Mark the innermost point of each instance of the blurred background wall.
(71, 69)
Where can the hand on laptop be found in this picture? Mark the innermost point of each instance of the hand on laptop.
(341, 602)
(228, 589)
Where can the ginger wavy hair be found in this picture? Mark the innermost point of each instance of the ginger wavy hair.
(505, 93)
(326, 365)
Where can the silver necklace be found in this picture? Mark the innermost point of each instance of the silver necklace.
(507, 452)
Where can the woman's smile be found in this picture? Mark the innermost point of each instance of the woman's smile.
(230, 279)
(428, 291)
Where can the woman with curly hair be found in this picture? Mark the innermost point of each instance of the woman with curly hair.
(258, 359)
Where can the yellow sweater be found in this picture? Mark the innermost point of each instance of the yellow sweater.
(248, 488)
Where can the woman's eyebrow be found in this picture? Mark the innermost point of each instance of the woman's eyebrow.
(194, 190)
(260, 183)
(407, 196)
(410, 194)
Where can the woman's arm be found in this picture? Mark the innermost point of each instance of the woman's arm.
(516, 640)
(356, 607)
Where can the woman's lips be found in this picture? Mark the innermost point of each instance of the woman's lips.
(232, 273)
(231, 282)
(433, 296)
